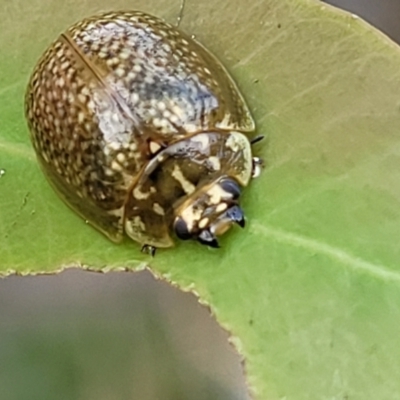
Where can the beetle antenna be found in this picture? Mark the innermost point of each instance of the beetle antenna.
(257, 139)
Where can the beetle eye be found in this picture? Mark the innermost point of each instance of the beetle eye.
(230, 186)
(181, 229)
(235, 214)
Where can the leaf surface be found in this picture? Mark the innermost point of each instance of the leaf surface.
(310, 290)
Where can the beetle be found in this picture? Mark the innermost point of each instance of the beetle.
(141, 130)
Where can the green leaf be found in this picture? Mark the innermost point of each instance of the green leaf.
(310, 290)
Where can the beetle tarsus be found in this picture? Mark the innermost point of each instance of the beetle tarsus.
(207, 238)
(149, 249)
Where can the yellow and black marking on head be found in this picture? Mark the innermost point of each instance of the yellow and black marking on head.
(209, 212)
(191, 188)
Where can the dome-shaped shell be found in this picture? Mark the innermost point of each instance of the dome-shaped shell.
(108, 87)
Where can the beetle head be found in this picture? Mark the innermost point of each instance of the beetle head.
(209, 212)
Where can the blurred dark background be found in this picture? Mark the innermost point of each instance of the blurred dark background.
(120, 335)
(384, 14)
(85, 335)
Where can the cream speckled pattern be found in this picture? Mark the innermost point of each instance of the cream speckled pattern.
(112, 91)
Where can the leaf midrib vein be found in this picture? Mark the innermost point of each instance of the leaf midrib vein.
(379, 271)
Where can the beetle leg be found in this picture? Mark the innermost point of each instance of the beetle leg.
(149, 249)
(224, 221)
(207, 238)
